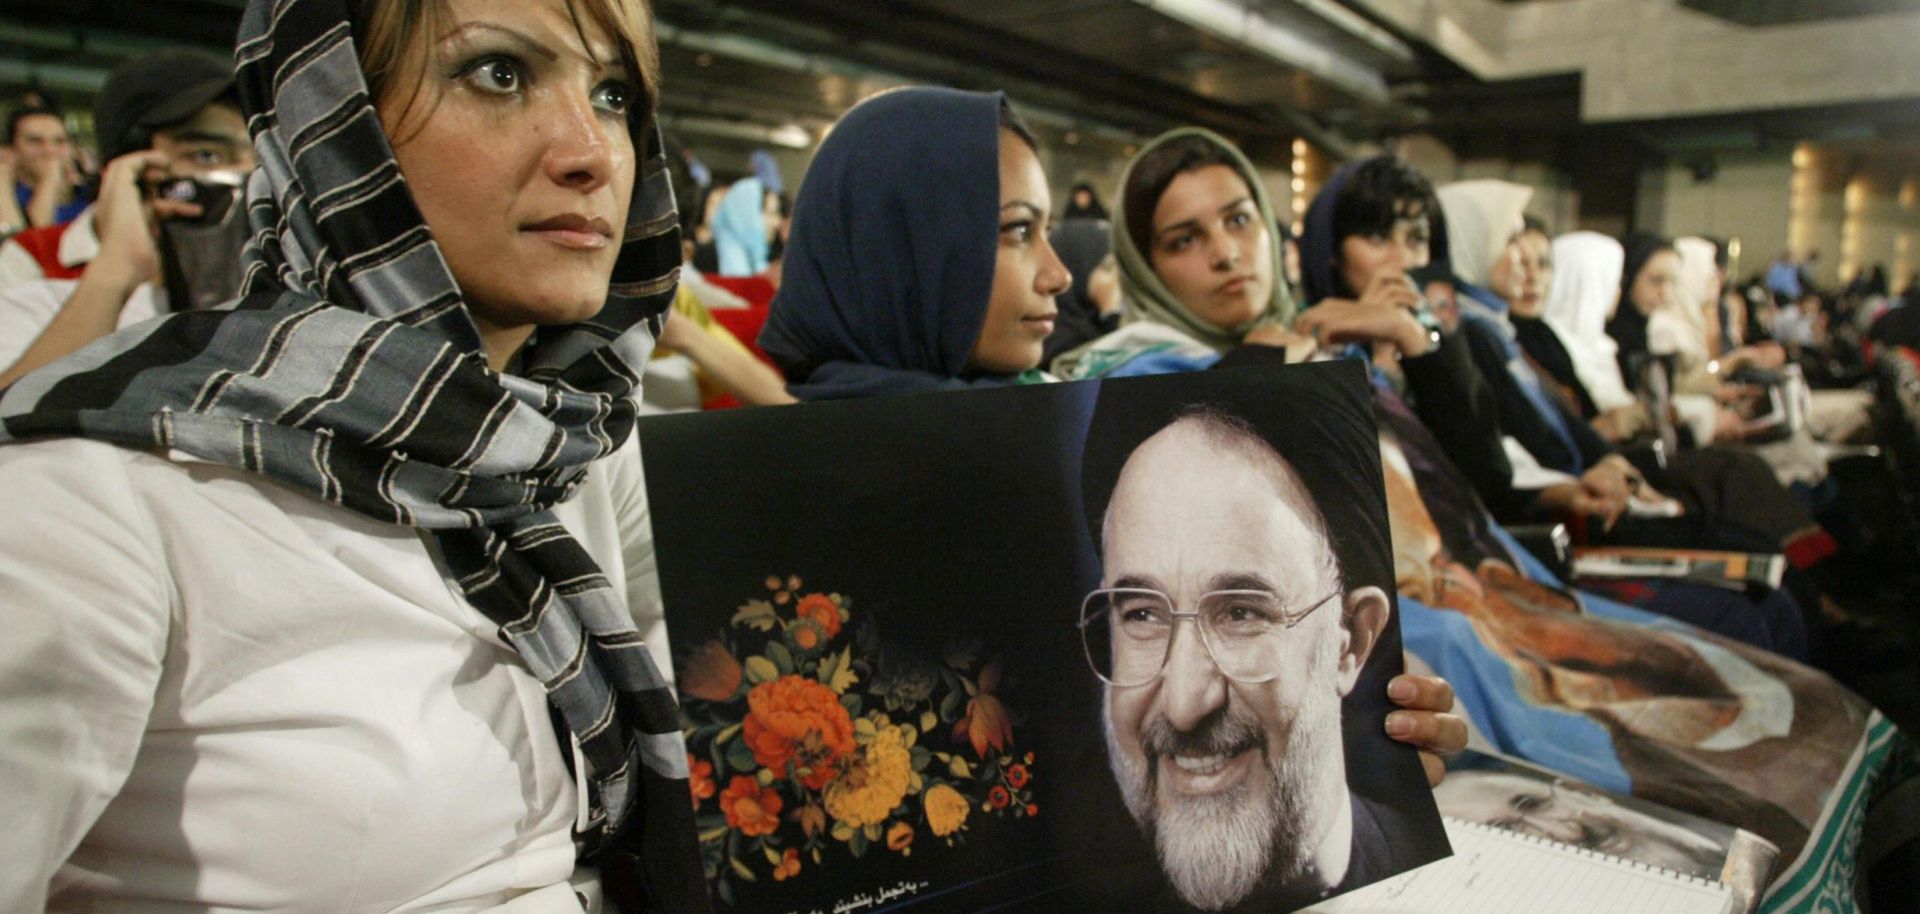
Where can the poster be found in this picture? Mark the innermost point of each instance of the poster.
(1065, 647)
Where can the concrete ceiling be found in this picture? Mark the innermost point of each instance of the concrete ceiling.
(1255, 69)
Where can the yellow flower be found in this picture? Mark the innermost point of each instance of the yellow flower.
(946, 810)
(876, 782)
(900, 838)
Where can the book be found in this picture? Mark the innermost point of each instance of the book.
(1527, 839)
(1733, 570)
(1497, 871)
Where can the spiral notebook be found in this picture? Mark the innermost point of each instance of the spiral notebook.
(1496, 871)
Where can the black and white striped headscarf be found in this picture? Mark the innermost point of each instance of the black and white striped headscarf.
(349, 368)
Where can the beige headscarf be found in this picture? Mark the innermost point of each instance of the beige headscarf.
(1482, 216)
(1149, 299)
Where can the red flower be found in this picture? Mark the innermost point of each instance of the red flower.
(821, 610)
(796, 720)
(998, 797)
(750, 808)
(1033, 809)
(1017, 776)
(699, 779)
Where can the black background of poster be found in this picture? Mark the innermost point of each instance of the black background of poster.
(961, 514)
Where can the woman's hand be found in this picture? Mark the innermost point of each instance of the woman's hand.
(1384, 314)
(1426, 722)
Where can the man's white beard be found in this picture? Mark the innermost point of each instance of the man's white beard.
(1217, 849)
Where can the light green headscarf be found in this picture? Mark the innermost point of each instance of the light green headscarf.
(1148, 299)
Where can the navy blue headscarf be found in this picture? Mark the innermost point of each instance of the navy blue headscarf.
(890, 263)
(1317, 242)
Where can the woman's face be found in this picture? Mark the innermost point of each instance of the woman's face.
(1528, 277)
(1653, 288)
(1027, 274)
(1103, 285)
(518, 153)
(1365, 258)
(1211, 247)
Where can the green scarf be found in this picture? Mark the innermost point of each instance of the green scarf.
(1148, 299)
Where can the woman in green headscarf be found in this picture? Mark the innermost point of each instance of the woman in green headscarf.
(1199, 266)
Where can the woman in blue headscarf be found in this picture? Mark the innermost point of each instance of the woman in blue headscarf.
(740, 229)
(919, 258)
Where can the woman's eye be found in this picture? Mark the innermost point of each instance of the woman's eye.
(615, 97)
(1240, 219)
(496, 74)
(1018, 233)
(1178, 243)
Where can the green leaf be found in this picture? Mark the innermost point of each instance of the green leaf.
(773, 856)
(757, 614)
(853, 703)
(950, 707)
(960, 768)
(760, 669)
(782, 658)
(843, 676)
(928, 721)
(857, 843)
(726, 893)
(921, 758)
(740, 758)
(740, 869)
(864, 730)
(726, 734)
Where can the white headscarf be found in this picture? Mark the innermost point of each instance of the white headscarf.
(1682, 328)
(1482, 216)
(1586, 289)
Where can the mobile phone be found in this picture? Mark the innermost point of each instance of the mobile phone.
(214, 192)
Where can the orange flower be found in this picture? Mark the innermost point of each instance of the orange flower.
(796, 720)
(998, 797)
(750, 808)
(820, 609)
(900, 838)
(788, 867)
(712, 674)
(812, 819)
(806, 634)
(1017, 776)
(699, 779)
(1033, 809)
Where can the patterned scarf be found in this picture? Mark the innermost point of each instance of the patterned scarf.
(350, 369)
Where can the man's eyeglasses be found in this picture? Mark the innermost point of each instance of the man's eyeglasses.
(1128, 632)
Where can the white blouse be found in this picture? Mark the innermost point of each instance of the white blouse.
(218, 693)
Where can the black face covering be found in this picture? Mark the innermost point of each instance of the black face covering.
(200, 258)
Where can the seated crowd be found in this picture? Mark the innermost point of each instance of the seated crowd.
(1628, 389)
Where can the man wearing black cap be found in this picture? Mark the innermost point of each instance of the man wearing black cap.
(166, 115)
